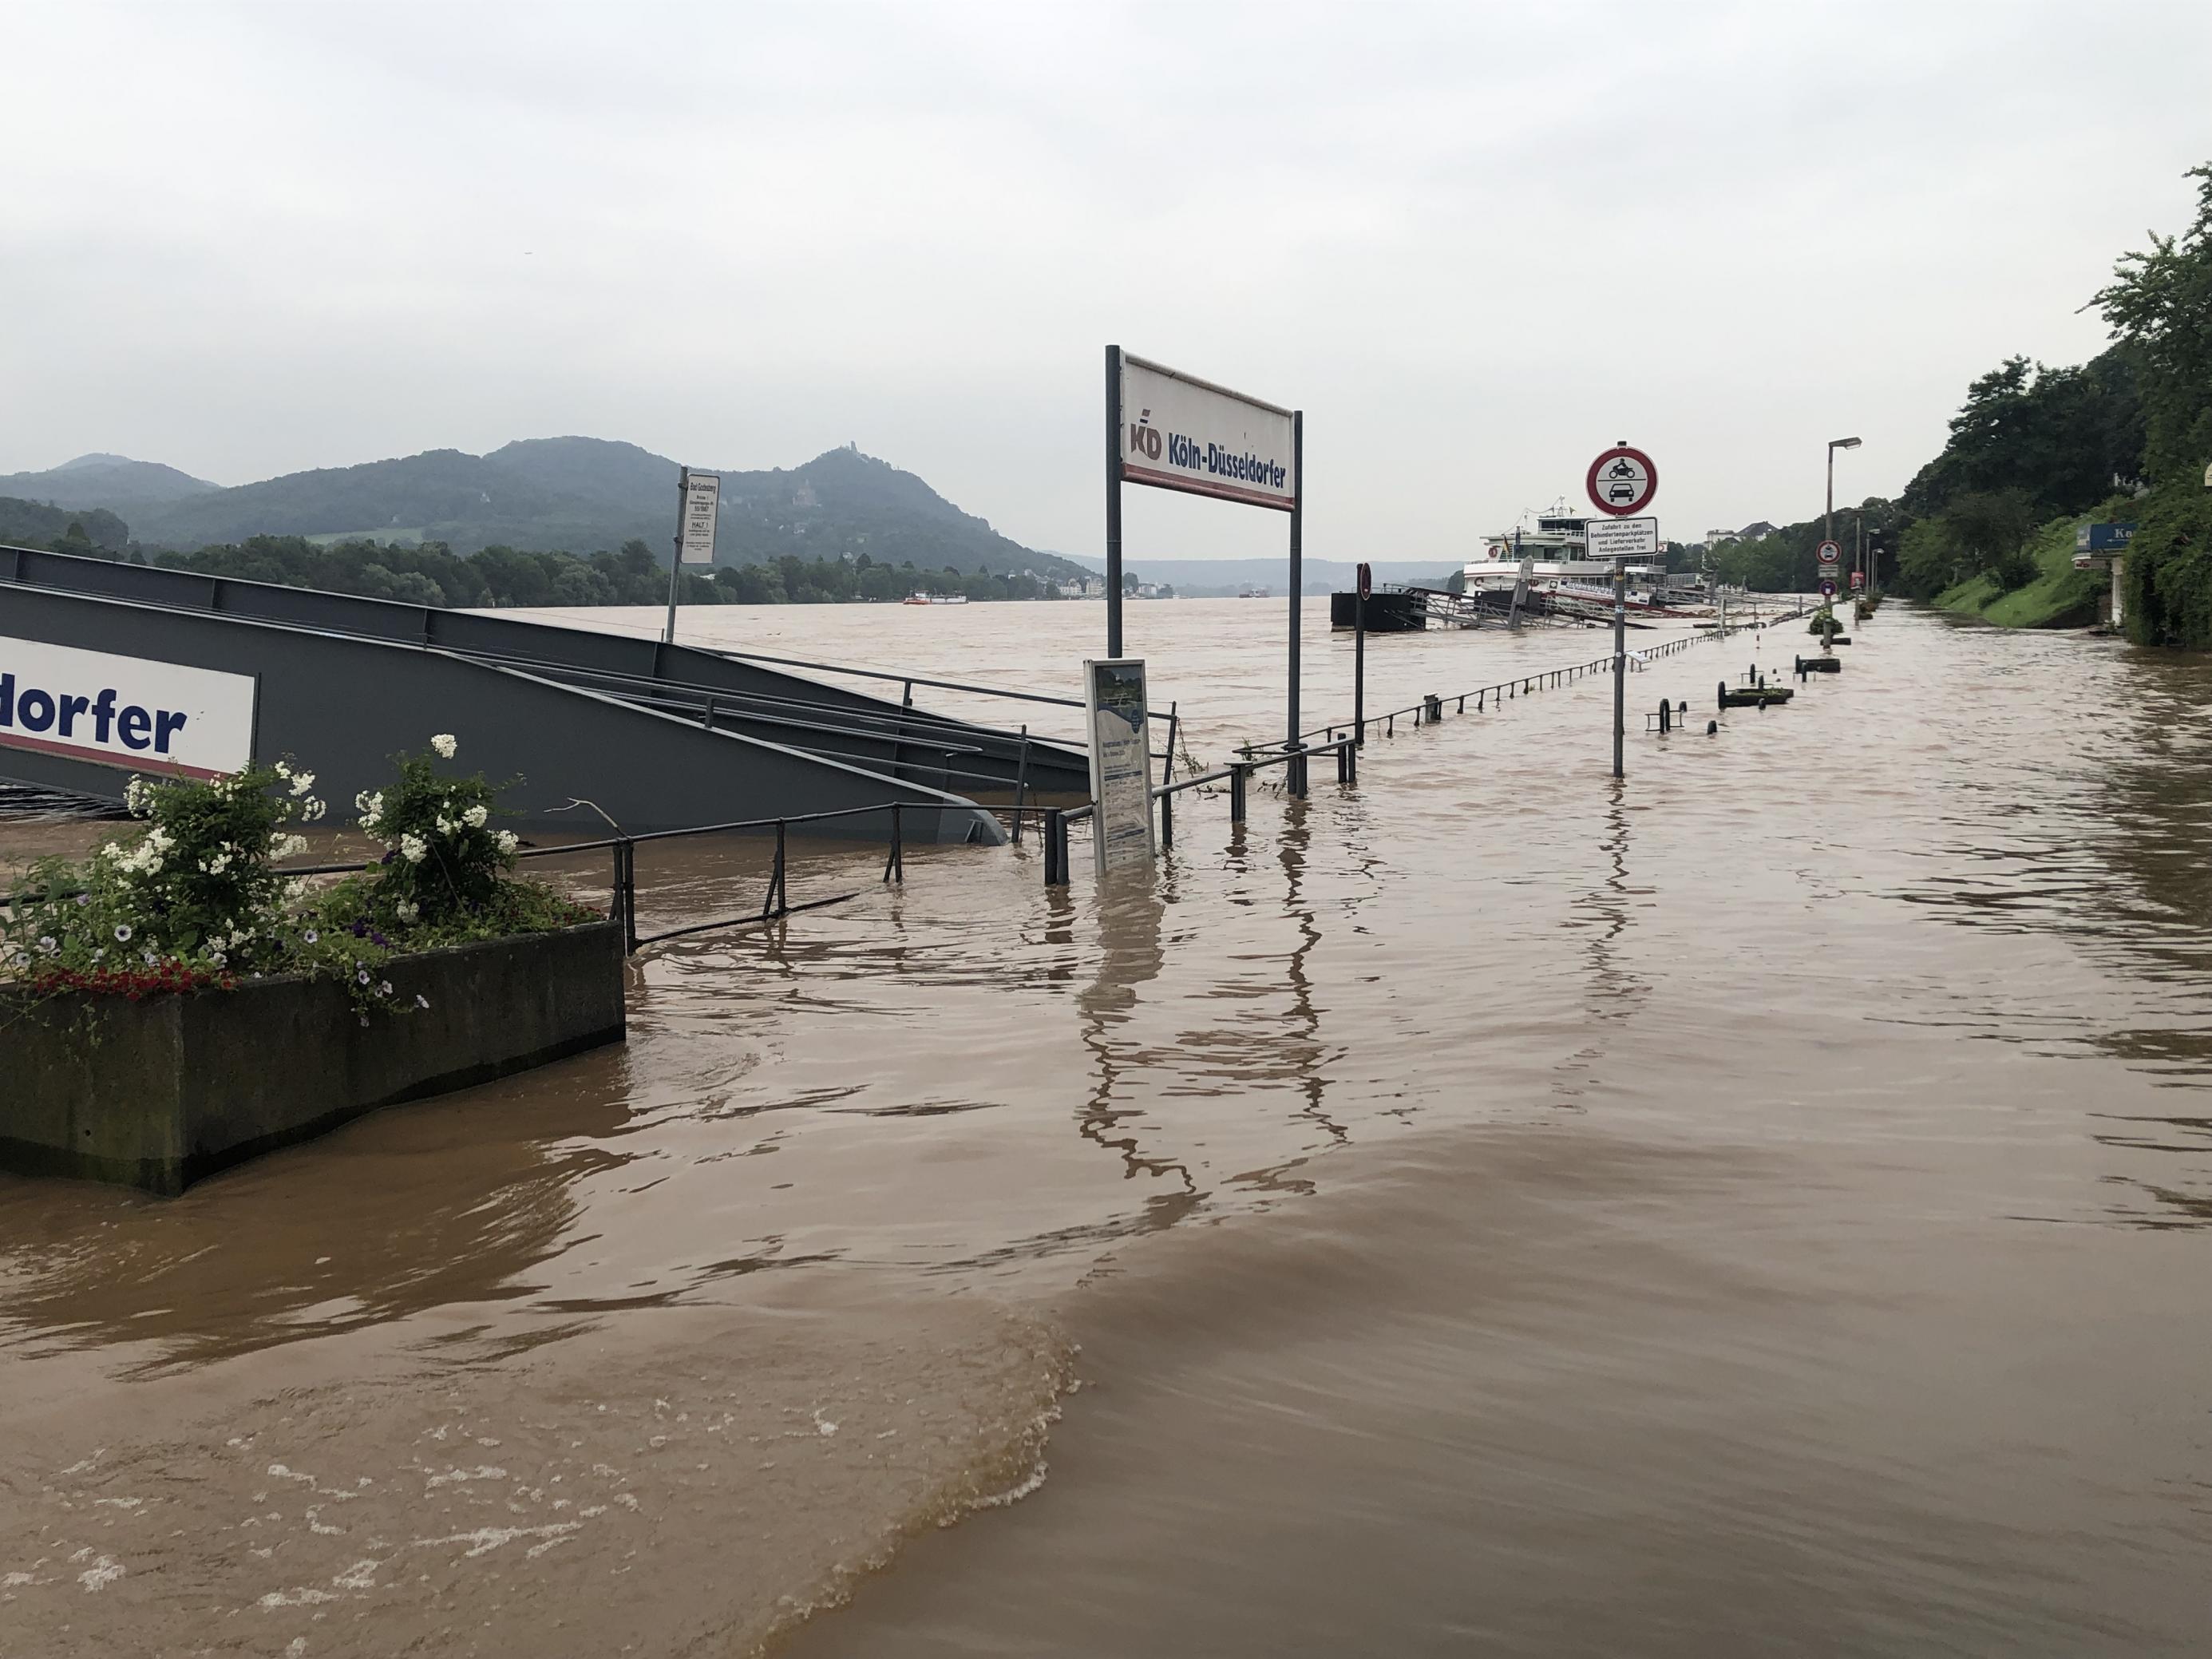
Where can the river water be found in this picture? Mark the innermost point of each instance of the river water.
(1763, 1207)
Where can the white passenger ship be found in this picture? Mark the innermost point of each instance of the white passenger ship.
(1556, 551)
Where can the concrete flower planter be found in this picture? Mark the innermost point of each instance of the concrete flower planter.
(157, 1094)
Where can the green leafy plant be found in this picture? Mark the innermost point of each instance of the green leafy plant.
(442, 859)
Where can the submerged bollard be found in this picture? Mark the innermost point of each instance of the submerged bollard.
(1436, 708)
(1237, 775)
(1666, 715)
(1712, 728)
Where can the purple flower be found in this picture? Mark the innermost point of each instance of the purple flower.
(361, 930)
(378, 939)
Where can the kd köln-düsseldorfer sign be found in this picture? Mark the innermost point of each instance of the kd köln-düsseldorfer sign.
(1181, 433)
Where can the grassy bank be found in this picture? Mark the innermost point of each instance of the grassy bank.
(2059, 597)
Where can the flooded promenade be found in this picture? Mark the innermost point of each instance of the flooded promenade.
(1763, 1207)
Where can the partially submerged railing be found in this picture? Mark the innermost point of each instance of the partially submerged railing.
(1237, 773)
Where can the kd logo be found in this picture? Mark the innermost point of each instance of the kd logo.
(1145, 441)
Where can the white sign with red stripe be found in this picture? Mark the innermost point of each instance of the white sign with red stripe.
(129, 711)
(1181, 433)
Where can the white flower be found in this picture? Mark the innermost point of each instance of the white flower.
(123, 932)
(303, 782)
(447, 826)
(445, 744)
(293, 890)
(282, 769)
(408, 909)
(413, 847)
(311, 936)
(46, 944)
(475, 816)
(314, 811)
(360, 975)
(507, 840)
(215, 957)
(383, 988)
(422, 1001)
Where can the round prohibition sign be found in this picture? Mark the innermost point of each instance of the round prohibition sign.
(1622, 481)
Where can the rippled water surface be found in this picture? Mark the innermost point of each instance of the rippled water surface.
(1760, 1207)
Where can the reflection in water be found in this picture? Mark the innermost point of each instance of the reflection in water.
(1129, 955)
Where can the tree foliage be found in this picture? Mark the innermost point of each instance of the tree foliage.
(2159, 307)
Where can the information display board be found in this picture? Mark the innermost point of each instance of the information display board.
(1120, 764)
(702, 496)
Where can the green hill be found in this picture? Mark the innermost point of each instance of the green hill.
(578, 495)
(114, 482)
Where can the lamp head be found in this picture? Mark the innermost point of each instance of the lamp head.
(1842, 443)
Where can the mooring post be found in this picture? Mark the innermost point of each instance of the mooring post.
(1436, 708)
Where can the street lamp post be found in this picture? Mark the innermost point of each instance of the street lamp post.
(1828, 518)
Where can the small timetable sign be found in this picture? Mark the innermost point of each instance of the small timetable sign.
(702, 494)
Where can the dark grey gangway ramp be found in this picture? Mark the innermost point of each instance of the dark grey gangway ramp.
(709, 688)
(344, 704)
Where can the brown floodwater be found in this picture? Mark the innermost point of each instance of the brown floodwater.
(1764, 1206)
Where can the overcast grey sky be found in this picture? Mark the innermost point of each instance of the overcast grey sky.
(1476, 243)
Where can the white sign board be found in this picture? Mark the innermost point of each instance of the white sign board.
(1622, 539)
(1181, 433)
(155, 717)
(702, 494)
(1120, 764)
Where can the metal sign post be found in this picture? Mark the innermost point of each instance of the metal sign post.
(698, 499)
(1621, 482)
(1359, 593)
(1112, 501)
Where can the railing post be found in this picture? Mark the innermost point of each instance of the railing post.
(895, 866)
(775, 905)
(1167, 818)
(625, 895)
(1347, 764)
(1237, 775)
(1055, 848)
(1174, 722)
(1020, 785)
(1296, 769)
(1436, 708)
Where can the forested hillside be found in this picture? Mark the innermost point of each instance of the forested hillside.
(2127, 435)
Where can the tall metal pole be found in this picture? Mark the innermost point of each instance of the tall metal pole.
(1112, 501)
(1619, 660)
(1359, 658)
(1297, 557)
(676, 553)
(1828, 514)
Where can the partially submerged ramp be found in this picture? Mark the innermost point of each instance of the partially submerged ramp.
(144, 680)
(709, 688)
